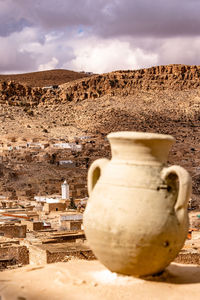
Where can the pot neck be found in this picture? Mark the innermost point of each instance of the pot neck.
(140, 150)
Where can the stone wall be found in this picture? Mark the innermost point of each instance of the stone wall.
(186, 257)
(18, 254)
(53, 257)
(71, 225)
(33, 226)
(13, 231)
(41, 254)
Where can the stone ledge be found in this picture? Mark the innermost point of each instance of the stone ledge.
(90, 280)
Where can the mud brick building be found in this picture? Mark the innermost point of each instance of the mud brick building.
(48, 207)
(70, 225)
(13, 230)
(71, 222)
(14, 254)
(51, 253)
(33, 225)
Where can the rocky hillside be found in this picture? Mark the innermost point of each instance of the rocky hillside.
(123, 83)
(44, 78)
(163, 99)
(119, 83)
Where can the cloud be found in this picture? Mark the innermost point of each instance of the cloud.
(107, 55)
(12, 58)
(52, 64)
(156, 18)
(11, 18)
(97, 36)
(180, 51)
(32, 50)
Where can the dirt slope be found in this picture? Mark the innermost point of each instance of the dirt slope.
(43, 78)
(164, 99)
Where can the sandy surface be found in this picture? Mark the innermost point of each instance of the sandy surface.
(90, 280)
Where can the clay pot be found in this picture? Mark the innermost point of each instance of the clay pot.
(136, 218)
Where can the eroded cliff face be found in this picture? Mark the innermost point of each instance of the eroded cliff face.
(123, 83)
(164, 99)
(118, 83)
(13, 93)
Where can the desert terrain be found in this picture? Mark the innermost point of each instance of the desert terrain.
(44, 78)
(53, 126)
(62, 106)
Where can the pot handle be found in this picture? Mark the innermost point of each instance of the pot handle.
(185, 188)
(95, 172)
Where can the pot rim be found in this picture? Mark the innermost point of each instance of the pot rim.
(136, 135)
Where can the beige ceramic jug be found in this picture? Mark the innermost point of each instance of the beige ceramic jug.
(136, 218)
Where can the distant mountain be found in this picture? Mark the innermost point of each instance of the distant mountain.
(44, 78)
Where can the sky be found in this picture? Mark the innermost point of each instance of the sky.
(97, 35)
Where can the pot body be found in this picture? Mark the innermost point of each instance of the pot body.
(136, 217)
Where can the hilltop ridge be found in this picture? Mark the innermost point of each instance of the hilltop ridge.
(44, 78)
(163, 99)
(117, 83)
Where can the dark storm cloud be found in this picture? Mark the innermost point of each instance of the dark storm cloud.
(9, 26)
(50, 14)
(81, 33)
(156, 18)
(107, 18)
